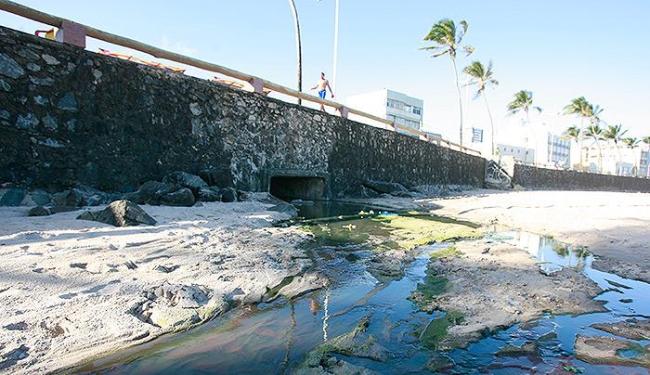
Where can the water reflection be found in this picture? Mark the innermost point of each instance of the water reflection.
(274, 338)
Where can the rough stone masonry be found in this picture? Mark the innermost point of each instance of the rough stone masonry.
(71, 116)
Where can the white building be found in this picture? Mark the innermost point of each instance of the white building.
(615, 159)
(555, 152)
(391, 105)
(519, 154)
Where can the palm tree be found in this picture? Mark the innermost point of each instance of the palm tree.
(447, 39)
(294, 12)
(579, 107)
(522, 101)
(632, 143)
(595, 132)
(482, 77)
(573, 133)
(615, 133)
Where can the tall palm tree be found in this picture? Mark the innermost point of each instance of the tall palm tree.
(522, 101)
(614, 134)
(447, 39)
(482, 77)
(632, 143)
(579, 107)
(573, 133)
(595, 132)
(296, 23)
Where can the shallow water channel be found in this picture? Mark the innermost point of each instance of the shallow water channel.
(275, 337)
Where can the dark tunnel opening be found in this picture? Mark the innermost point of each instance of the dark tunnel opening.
(297, 187)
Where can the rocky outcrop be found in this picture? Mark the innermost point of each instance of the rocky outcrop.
(177, 307)
(610, 350)
(120, 214)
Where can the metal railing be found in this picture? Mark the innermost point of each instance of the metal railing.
(77, 32)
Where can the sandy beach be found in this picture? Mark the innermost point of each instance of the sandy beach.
(72, 289)
(614, 226)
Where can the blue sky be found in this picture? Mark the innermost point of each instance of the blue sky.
(558, 49)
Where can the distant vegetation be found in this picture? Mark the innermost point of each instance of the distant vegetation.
(447, 37)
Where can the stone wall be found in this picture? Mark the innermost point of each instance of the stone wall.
(551, 179)
(71, 116)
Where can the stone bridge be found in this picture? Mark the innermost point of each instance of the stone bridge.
(71, 116)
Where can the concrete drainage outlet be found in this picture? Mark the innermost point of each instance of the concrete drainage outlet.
(296, 187)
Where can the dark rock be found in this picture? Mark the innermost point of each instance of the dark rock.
(92, 196)
(50, 122)
(40, 197)
(243, 196)
(150, 192)
(68, 102)
(228, 194)
(59, 209)
(9, 67)
(120, 214)
(69, 198)
(28, 121)
(210, 194)
(181, 197)
(13, 197)
(20, 326)
(166, 269)
(47, 81)
(187, 180)
(12, 357)
(4, 86)
(216, 176)
(385, 187)
(368, 193)
(39, 211)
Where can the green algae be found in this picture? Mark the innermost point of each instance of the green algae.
(393, 232)
(437, 329)
(432, 286)
(448, 252)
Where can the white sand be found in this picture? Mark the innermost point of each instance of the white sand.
(615, 226)
(64, 313)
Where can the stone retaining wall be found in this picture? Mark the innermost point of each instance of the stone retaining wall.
(71, 116)
(551, 179)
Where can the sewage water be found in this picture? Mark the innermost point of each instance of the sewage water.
(275, 337)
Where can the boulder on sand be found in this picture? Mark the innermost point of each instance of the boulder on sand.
(210, 194)
(181, 197)
(187, 180)
(120, 213)
(150, 192)
(228, 195)
(39, 211)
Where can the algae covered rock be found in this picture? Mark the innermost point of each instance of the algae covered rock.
(356, 343)
(177, 307)
(610, 350)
